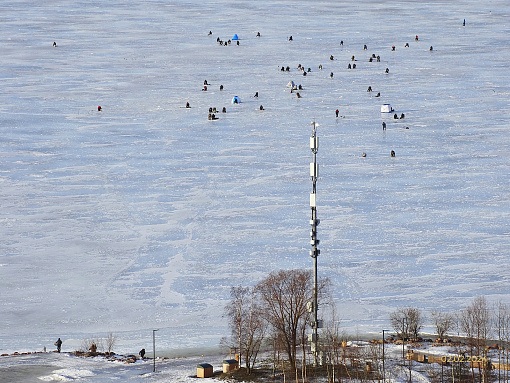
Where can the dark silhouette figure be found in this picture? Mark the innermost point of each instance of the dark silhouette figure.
(142, 353)
(392, 153)
(54, 44)
(224, 110)
(393, 47)
(258, 34)
(402, 116)
(298, 95)
(431, 48)
(369, 88)
(58, 343)
(256, 94)
(261, 107)
(464, 23)
(365, 47)
(331, 57)
(387, 70)
(336, 112)
(99, 108)
(331, 75)
(384, 125)
(395, 116)
(290, 38)
(187, 105)
(378, 94)
(341, 42)
(221, 87)
(349, 66)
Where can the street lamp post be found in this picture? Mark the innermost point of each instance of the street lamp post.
(404, 321)
(383, 358)
(154, 350)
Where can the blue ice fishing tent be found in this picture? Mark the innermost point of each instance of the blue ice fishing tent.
(235, 37)
(236, 100)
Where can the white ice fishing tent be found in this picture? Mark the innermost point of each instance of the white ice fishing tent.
(291, 84)
(236, 100)
(235, 37)
(386, 108)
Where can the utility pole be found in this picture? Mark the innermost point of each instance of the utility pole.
(314, 242)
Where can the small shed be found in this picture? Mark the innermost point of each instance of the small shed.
(230, 365)
(386, 108)
(205, 370)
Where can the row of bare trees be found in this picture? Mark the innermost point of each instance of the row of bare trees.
(479, 327)
(275, 311)
(478, 322)
(277, 306)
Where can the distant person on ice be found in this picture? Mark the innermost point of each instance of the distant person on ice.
(142, 353)
(58, 343)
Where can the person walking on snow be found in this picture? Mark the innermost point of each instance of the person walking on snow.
(58, 343)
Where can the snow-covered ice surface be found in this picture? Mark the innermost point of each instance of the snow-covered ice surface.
(142, 216)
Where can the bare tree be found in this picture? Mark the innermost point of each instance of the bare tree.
(254, 334)
(476, 324)
(407, 322)
(332, 340)
(443, 322)
(110, 342)
(502, 323)
(247, 324)
(284, 296)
